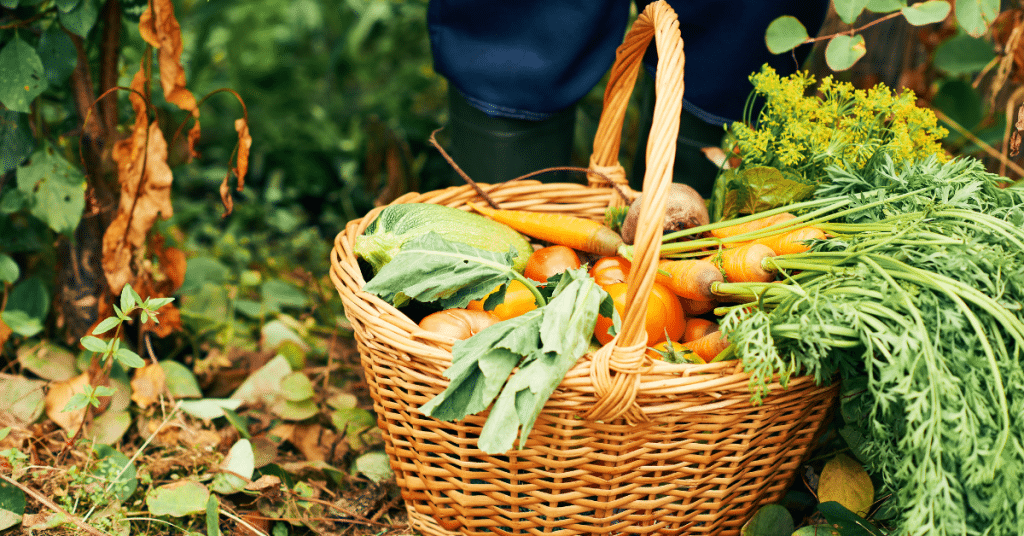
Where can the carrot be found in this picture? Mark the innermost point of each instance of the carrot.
(690, 278)
(754, 225)
(791, 241)
(697, 307)
(698, 327)
(708, 346)
(744, 264)
(577, 233)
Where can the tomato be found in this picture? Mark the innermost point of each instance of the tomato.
(546, 262)
(458, 323)
(659, 351)
(608, 270)
(518, 300)
(664, 314)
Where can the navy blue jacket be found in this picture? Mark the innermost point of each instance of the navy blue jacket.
(530, 58)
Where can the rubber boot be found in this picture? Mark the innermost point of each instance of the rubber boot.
(691, 166)
(496, 149)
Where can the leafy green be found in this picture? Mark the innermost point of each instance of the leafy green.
(429, 268)
(919, 296)
(543, 343)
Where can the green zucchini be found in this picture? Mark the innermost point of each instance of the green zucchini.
(397, 224)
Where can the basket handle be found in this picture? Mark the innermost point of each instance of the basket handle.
(615, 368)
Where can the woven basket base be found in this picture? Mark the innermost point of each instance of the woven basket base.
(425, 524)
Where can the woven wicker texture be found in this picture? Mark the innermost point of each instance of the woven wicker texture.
(625, 445)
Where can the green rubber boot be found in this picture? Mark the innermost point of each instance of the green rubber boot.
(496, 149)
(691, 166)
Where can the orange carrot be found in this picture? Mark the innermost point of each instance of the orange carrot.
(708, 346)
(697, 307)
(743, 264)
(754, 225)
(690, 278)
(791, 241)
(577, 233)
(697, 328)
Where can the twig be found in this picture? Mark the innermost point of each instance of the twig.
(53, 506)
(231, 515)
(977, 141)
(451, 162)
(471, 182)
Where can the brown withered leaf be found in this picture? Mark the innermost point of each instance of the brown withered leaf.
(159, 27)
(148, 385)
(5, 332)
(1016, 136)
(193, 136)
(57, 398)
(173, 262)
(145, 181)
(241, 165)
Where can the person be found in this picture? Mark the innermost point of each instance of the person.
(516, 71)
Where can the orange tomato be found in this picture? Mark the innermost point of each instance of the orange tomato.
(518, 300)
(458, 323)
(664, 314)
(608, 270)
(659, 350)
(546, 262)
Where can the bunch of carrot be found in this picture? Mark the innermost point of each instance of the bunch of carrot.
(734, 251)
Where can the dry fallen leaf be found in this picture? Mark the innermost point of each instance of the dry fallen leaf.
(148, 385)
(5, 332)
(160, 28)
(145, 196)
(241, 165)
(1016, 136)
(57, 398)
(312, 440)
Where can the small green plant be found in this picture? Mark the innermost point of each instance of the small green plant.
(844, 49)
(111, 350)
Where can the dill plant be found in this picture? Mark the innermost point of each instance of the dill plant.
(834, 125)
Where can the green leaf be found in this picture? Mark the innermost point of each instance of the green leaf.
(81, 19)
(16, 141)
(961, 103)
(22, 78)
(277, 293)
(178, 499)
(975, 16)
(9, 271)
(763, 187)
(9, 4)
(67, 5)
(114, 467)
(200, 270)
(55, 189)
(58, 54)
(296, 387)
(843, 51)
(27, 306)
(94, 344)
(181, 382)
(106, 325)
(208, 408)
(846, 522)
(351, 423)
(241, 424)
(236, 469)
(22, 399)
(374, 465)
(12, 505)
(127, 299)
(929, 12)
(845, 481)
(784, 34)
(886, 6)
(963, 55)
(769, 520)
(849, 10)
(128, 358)
(430, 268)
(109, 427)
(77, 402)
(213, 517)
(565, 333)
(816, 530)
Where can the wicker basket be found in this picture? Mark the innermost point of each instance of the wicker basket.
(624, 445)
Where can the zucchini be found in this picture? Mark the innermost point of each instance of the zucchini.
(397, 224)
